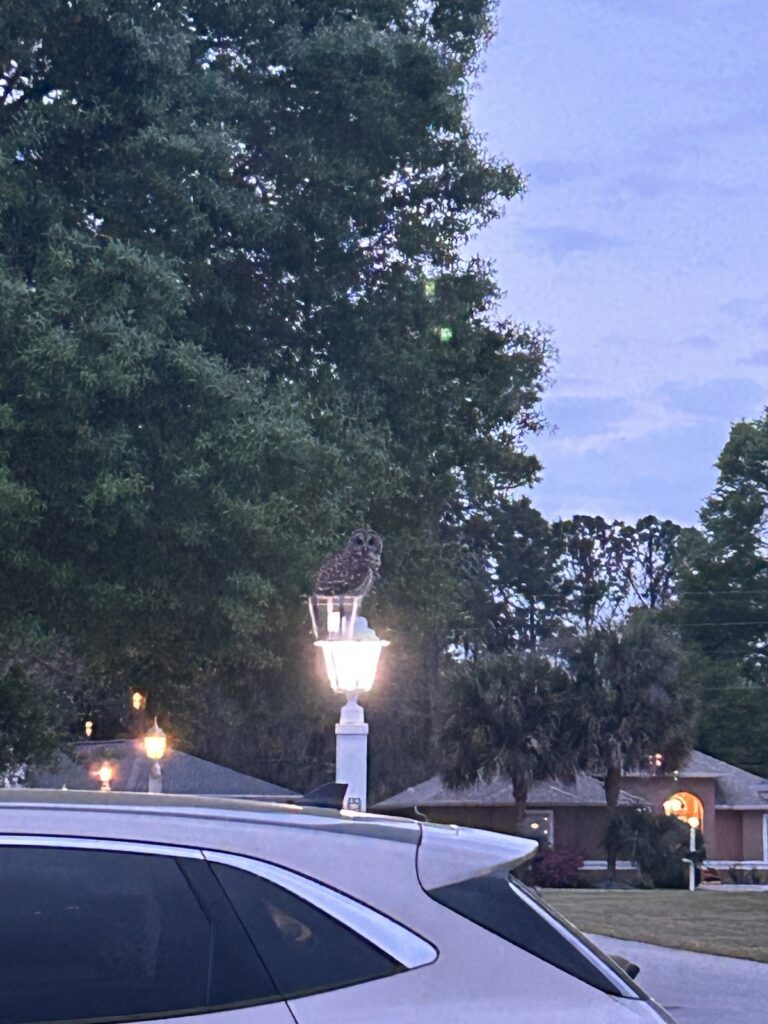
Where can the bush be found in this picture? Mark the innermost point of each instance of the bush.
(657, 843)
(556, 869)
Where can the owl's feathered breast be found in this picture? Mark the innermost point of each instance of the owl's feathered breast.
(344, 573)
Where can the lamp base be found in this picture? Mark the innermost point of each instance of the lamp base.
(352, 754)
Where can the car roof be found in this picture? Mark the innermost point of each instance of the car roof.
(448, 853)
(248, 811)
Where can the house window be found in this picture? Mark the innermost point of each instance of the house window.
(540, 825)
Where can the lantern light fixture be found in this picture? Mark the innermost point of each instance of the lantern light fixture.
(105, 774)
(351, 652)
(155, 742)
(351, 664)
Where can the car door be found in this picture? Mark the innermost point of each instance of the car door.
(321, 944)
(105, 931)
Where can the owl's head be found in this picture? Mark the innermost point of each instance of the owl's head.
(367, 545)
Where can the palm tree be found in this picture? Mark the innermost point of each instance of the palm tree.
(630, 702)
(504, 718)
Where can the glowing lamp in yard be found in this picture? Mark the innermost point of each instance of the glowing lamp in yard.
(351, 664)
(155, 745)
(105, 774)
(351, 652)
(155, 742)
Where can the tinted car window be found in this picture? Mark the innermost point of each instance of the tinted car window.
(89, 934)
(305, 949)
(496, 903)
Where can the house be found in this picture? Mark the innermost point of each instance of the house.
(730, 805)
(181, 773)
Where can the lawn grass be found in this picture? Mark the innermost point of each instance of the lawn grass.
(726, 923)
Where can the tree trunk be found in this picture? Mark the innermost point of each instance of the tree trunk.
(520, 787)
(612, 789)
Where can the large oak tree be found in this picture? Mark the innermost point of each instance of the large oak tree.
(234, 324)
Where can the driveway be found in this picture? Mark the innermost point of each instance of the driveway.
(698, 988)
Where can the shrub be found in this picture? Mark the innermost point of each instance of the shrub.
(657, 843)
(556, 869)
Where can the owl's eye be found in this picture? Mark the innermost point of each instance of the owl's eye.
(358, 540)
(371, 542)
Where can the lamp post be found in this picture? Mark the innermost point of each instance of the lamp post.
(693, 824)
(155, 743)
(351, 653)
(105, 774)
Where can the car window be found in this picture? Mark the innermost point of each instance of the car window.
(89, 934)
(506, 907)
(305, 949)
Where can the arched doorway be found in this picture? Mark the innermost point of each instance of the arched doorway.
(687, 807)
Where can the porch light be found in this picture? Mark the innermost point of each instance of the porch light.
(138, 700)
(674, 805)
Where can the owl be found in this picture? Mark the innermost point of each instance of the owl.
(352, 571)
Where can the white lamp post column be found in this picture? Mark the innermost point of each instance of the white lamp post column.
(155, 742)
(351, 651)
(352, 753)
(693, 824)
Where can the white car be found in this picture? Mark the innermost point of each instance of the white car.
(126, 907)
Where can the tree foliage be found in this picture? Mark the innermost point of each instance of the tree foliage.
(724, 601)
(235, 323)
(631, 700)
(503, 720)
(37, 679)
(658, 844)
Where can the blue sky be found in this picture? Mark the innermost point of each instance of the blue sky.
(642, 240)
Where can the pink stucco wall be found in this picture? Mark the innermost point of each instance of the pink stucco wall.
(752, 835)
(729, 839)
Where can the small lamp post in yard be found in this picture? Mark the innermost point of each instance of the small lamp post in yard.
(155, 743)
(351, 652)
(105, 774)
(693, 824)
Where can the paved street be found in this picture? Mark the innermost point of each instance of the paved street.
(697, 988)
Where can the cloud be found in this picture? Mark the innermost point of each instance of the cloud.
(725, 400)
(561, 241)
(583, 417)
(747, 310)
(619, 421)
(758, 358)
(647, 185)
(557, 172)
(700, 342)
(668, 474)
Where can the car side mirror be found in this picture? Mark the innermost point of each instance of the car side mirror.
(627, 966)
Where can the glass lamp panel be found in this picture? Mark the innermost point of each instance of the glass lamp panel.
(334, 617)
(351, 664)
(155, 742)
(154, 747)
